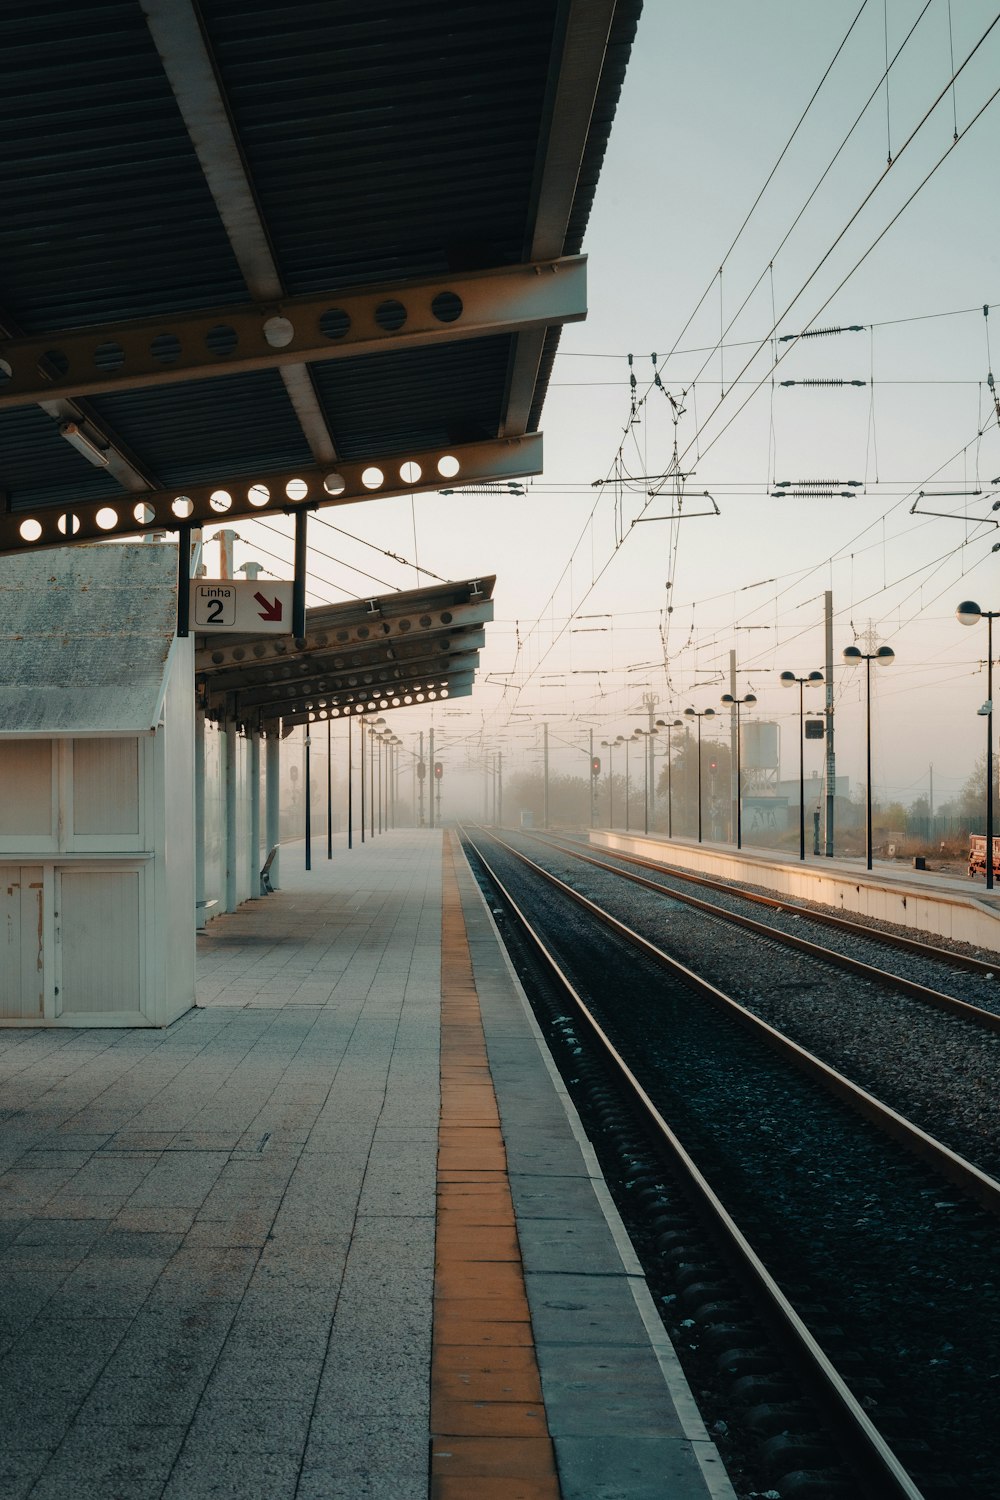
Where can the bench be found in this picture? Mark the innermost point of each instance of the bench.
(266, 888)
(201, 907)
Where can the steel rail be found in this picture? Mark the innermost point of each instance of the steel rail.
(963, 1174)
(975, 1014)
(856, 929)
(863, 1441)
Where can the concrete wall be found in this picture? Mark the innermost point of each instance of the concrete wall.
(917, 901)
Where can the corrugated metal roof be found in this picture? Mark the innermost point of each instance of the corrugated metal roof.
(85, 638)
(381, 140)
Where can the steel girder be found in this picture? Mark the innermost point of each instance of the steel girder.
(345, 627)
(307, 670)
(273, 700)
(442, 689)
(284, 493)
(292, 330)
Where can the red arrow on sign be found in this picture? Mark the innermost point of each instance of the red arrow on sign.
(270, 608)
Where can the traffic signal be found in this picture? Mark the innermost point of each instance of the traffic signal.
(438, 770)
(595, 766)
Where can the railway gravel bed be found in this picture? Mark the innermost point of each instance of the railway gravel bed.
(898, 1270)
(939, 1071)
(822, 909)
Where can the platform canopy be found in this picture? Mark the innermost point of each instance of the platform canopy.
(364, 656)
(258, 255)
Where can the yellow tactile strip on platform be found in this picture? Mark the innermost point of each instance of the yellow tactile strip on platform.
(490, 1439)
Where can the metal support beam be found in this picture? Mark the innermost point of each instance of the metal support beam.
(574, 77)
(183, 578)
(197, 88)
(271, 494)
(459, 686)
(299, 576)
(307, 669)
(337, 691)
(338, 324)
(330, 632)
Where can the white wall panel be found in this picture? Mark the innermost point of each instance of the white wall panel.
(21, 972)
(106, 786)
(99, 927)
(26, 777)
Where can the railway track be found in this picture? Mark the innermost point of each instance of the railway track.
(977, 1015)
(815, 1205)
(861, 931)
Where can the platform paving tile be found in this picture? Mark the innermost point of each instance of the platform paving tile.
(181, 1310)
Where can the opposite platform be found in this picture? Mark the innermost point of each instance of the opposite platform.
(217, 1241)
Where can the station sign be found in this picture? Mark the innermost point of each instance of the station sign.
(242, 606)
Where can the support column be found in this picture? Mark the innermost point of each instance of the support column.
(831, 759)
(430, 799)
(230, 828)
(272, 782)
(199, 813)
(255, 859)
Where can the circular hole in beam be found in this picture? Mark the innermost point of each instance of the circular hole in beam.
(166, 348)
(410, 472)
(109, 356)
(221, 340)
(6, 371)
(372, 478)
(30, 530)
(144, 514)
(258, 494)
(182, 507)
(334, 323)
(335, 484)
(448, 466)
(106, 518)
(69, 524)
(220, 500)
(447, 307)
(296, 489)
(390, 315)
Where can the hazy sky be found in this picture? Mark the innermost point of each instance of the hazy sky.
(713, 94)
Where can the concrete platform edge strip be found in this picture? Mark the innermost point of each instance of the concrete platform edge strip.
(704, 1450)
(489, 1430)
(884, 895)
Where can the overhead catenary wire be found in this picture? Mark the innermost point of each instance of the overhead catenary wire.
(843, 231)
(800, 292)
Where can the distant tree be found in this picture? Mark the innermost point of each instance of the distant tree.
(971, 800)
(892, 816)
(569, 799)
(716, 788)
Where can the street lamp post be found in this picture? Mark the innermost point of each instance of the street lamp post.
(675, 724)
(645, 735)
(705, 713)
(885, 656)
(747, 701)
(969, 613)
(623, 740)
(788, 679)
(609, 746)
(308, 746)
